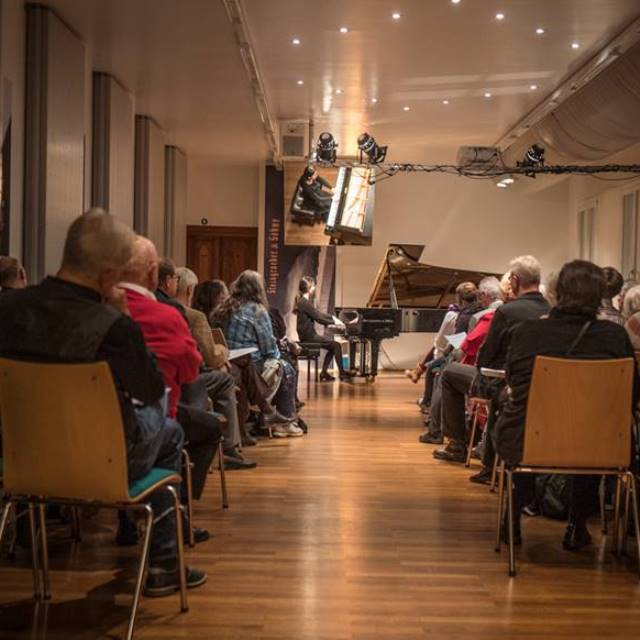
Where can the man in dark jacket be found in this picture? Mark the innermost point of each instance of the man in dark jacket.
(579, 290)
(79, 316)
(524, 278)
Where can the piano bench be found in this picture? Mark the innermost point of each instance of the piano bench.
(310, 353)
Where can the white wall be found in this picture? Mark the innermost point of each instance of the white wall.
(227, 195)
(607, 196)
(462, 223)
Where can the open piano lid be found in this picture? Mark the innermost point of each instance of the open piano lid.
(417, 284)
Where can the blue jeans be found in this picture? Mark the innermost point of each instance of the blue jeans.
(159, 445)
(285, 398)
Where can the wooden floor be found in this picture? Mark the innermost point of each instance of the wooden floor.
(353, 532)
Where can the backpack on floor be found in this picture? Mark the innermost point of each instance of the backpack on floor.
(553, 495)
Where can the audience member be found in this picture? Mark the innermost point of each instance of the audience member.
(167, 336)
(167, 287)
(85, 319)
(307, 315)
(490, 296)
(613, 285)
(246, 323)
(209, 295)
(571, 330)
(12, 274)
(469, 306)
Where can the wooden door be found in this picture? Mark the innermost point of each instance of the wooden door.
(221, 253)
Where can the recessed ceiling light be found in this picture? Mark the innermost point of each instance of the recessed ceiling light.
(487, 94)
(508, 180)
(396, 15)
(374, 100)
(300, 82)
(406, 108)
(575, 45)
(499, 16)
(344, 29)
(445, 102)
(296, 41)
(339, 91)
(502, 185)
(533, 87)
(540, 31)
(455, 1)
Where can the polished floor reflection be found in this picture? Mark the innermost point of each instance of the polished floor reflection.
(353, 532)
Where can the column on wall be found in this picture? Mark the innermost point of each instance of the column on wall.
(113, 148)
(175, 203)
(149, 209)
(54, 138)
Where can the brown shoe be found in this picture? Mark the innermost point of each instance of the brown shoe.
(414, 374)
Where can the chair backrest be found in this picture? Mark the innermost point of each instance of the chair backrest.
(579, 413)
(62, 433)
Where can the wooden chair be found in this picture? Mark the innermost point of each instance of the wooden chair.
(578, 423)
(479, 406)
(63, 443)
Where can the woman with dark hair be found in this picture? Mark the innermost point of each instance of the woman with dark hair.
(613, 286)
(209, 295)
(307, 315)
(244, 318)
(571, 330)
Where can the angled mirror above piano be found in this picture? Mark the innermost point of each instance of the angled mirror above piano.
(403, 281)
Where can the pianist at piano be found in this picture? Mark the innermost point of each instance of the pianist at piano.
(307, 315)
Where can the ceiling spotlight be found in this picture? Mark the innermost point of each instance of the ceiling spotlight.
(502, 185)
(339, 91)
(406, 108)
(300, 82)
(344, 29)
(540, 31)
(445, 102)
(499, 16)
(508, 180)
(374, 100)
(533, 87)
(396, 15)
(487, 95)
(455, 1)
(296, 41)
(575, 45)
(326, 148)
(368, 145)
(534, 157)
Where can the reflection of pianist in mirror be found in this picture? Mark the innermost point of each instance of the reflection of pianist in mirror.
(350, 219)
(312, 198)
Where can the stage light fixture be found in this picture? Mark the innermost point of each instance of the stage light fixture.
(326, 148)
(534, 157)
(368, 145)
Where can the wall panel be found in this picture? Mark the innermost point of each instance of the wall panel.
(54, 146)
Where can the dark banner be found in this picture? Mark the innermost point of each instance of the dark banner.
(284, 265)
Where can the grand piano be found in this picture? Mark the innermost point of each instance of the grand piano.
(407, 297)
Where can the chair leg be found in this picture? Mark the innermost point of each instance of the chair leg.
(142, 568)
(474, 424)
(500, 508)
(496, 462)
(602, 494)
(308, 371)
(512, 552)
(37, 587)
(6, 512)
(315, 367)
(622, 536)
(223, 477)
(187, 466)
(182, 569)
(44, 546)
(616, 514)
(633, 490)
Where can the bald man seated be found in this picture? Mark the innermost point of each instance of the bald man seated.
(85, 319)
